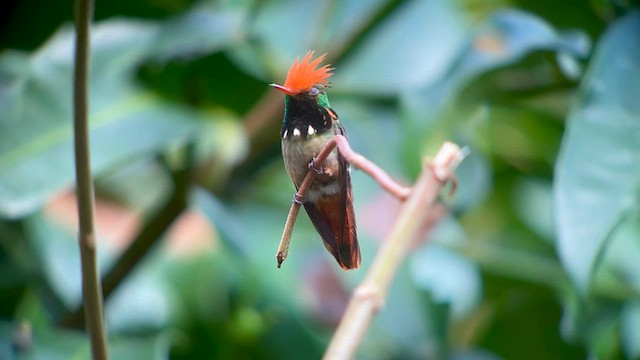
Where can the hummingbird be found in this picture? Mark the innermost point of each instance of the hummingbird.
(309, 124)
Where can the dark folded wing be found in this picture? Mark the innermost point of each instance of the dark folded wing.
(348, 238)
(335, 220)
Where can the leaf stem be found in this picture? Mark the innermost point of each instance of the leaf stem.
(91, 289)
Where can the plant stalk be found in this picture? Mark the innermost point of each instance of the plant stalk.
(91, 289)
(371, 293)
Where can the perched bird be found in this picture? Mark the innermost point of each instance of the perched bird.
(309, 124)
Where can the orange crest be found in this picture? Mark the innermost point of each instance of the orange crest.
(303, 74)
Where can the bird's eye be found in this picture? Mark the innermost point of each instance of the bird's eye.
(314, 91)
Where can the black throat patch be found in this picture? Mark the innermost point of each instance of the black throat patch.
(303, 117)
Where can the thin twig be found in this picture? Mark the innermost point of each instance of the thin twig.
(91, 289)
(285, 241)
(371, 293)
(364, 164)
(355, 159)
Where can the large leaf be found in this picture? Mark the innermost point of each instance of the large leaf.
(126, 119)
(598, 171)
(142, 301)
(57, 253)
(533, 203)
(320, 25)
(630, 328)
(48, 343)
(414, 47)
(460, 288)
(503, 39)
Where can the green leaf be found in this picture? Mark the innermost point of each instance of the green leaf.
(413, 47)
(461, 288)
(533, 202)
(630, 324)
(319, 25)
(202, 30)
(230, 227)
(36, 157)
(410, 321)
(53, 344)
(474, 181)
(598, 170)
(142, 301)
(619, 262)
(58, 255)
(503, 39)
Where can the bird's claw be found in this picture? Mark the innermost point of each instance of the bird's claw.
(297, 199)
(312, 166)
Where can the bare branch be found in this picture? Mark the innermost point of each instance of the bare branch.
(364, 164)
(91, 290)
(371, 293)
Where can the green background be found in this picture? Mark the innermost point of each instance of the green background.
(536, 259)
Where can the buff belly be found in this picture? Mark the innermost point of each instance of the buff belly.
(298, 153)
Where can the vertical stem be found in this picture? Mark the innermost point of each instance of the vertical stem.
(91, 289)
(371, 293)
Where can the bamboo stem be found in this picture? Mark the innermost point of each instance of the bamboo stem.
(91, 289)
(371, 293)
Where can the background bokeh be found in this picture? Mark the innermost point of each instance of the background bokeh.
(537, 257)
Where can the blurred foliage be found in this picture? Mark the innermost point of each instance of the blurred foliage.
(537, 259)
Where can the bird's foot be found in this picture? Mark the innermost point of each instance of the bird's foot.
(298, 199)
(318, 169)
